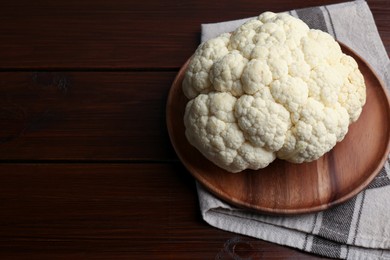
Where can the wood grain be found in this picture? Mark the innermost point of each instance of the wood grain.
(287, 188)
(112, 211)
(84, 115)
(380, 10)
(123, 34)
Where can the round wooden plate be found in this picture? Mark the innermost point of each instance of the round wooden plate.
(286, 188)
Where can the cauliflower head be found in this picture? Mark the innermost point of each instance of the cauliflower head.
(273, 88)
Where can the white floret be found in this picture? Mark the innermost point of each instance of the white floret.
(352, 94)
(226, 73)
(325, 83)
(263, 122)
(256, 75)
(316, 132)
(292, 93)
(212, 128)
(196, 79)
(242, 39)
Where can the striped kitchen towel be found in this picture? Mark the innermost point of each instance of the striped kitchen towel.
(357, 229)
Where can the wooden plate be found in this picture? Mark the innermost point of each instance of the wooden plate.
(286, 188)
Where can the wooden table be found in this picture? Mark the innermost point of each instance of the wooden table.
(87, 169)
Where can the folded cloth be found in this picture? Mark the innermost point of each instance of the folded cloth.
(357, 229)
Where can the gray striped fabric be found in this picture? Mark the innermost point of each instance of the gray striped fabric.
(357, 229)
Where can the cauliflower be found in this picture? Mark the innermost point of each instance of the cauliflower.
(271, 89)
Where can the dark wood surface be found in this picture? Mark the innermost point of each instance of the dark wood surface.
(87, 169)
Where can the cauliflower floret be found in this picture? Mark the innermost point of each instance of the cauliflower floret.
(272, 88)
(352, 95)
(325, 83)
(226, 73)
(263, 122)
(317, 131)
(292, 93)
(256, 75)
(242, 38)
(211, 126)
(197, 79)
